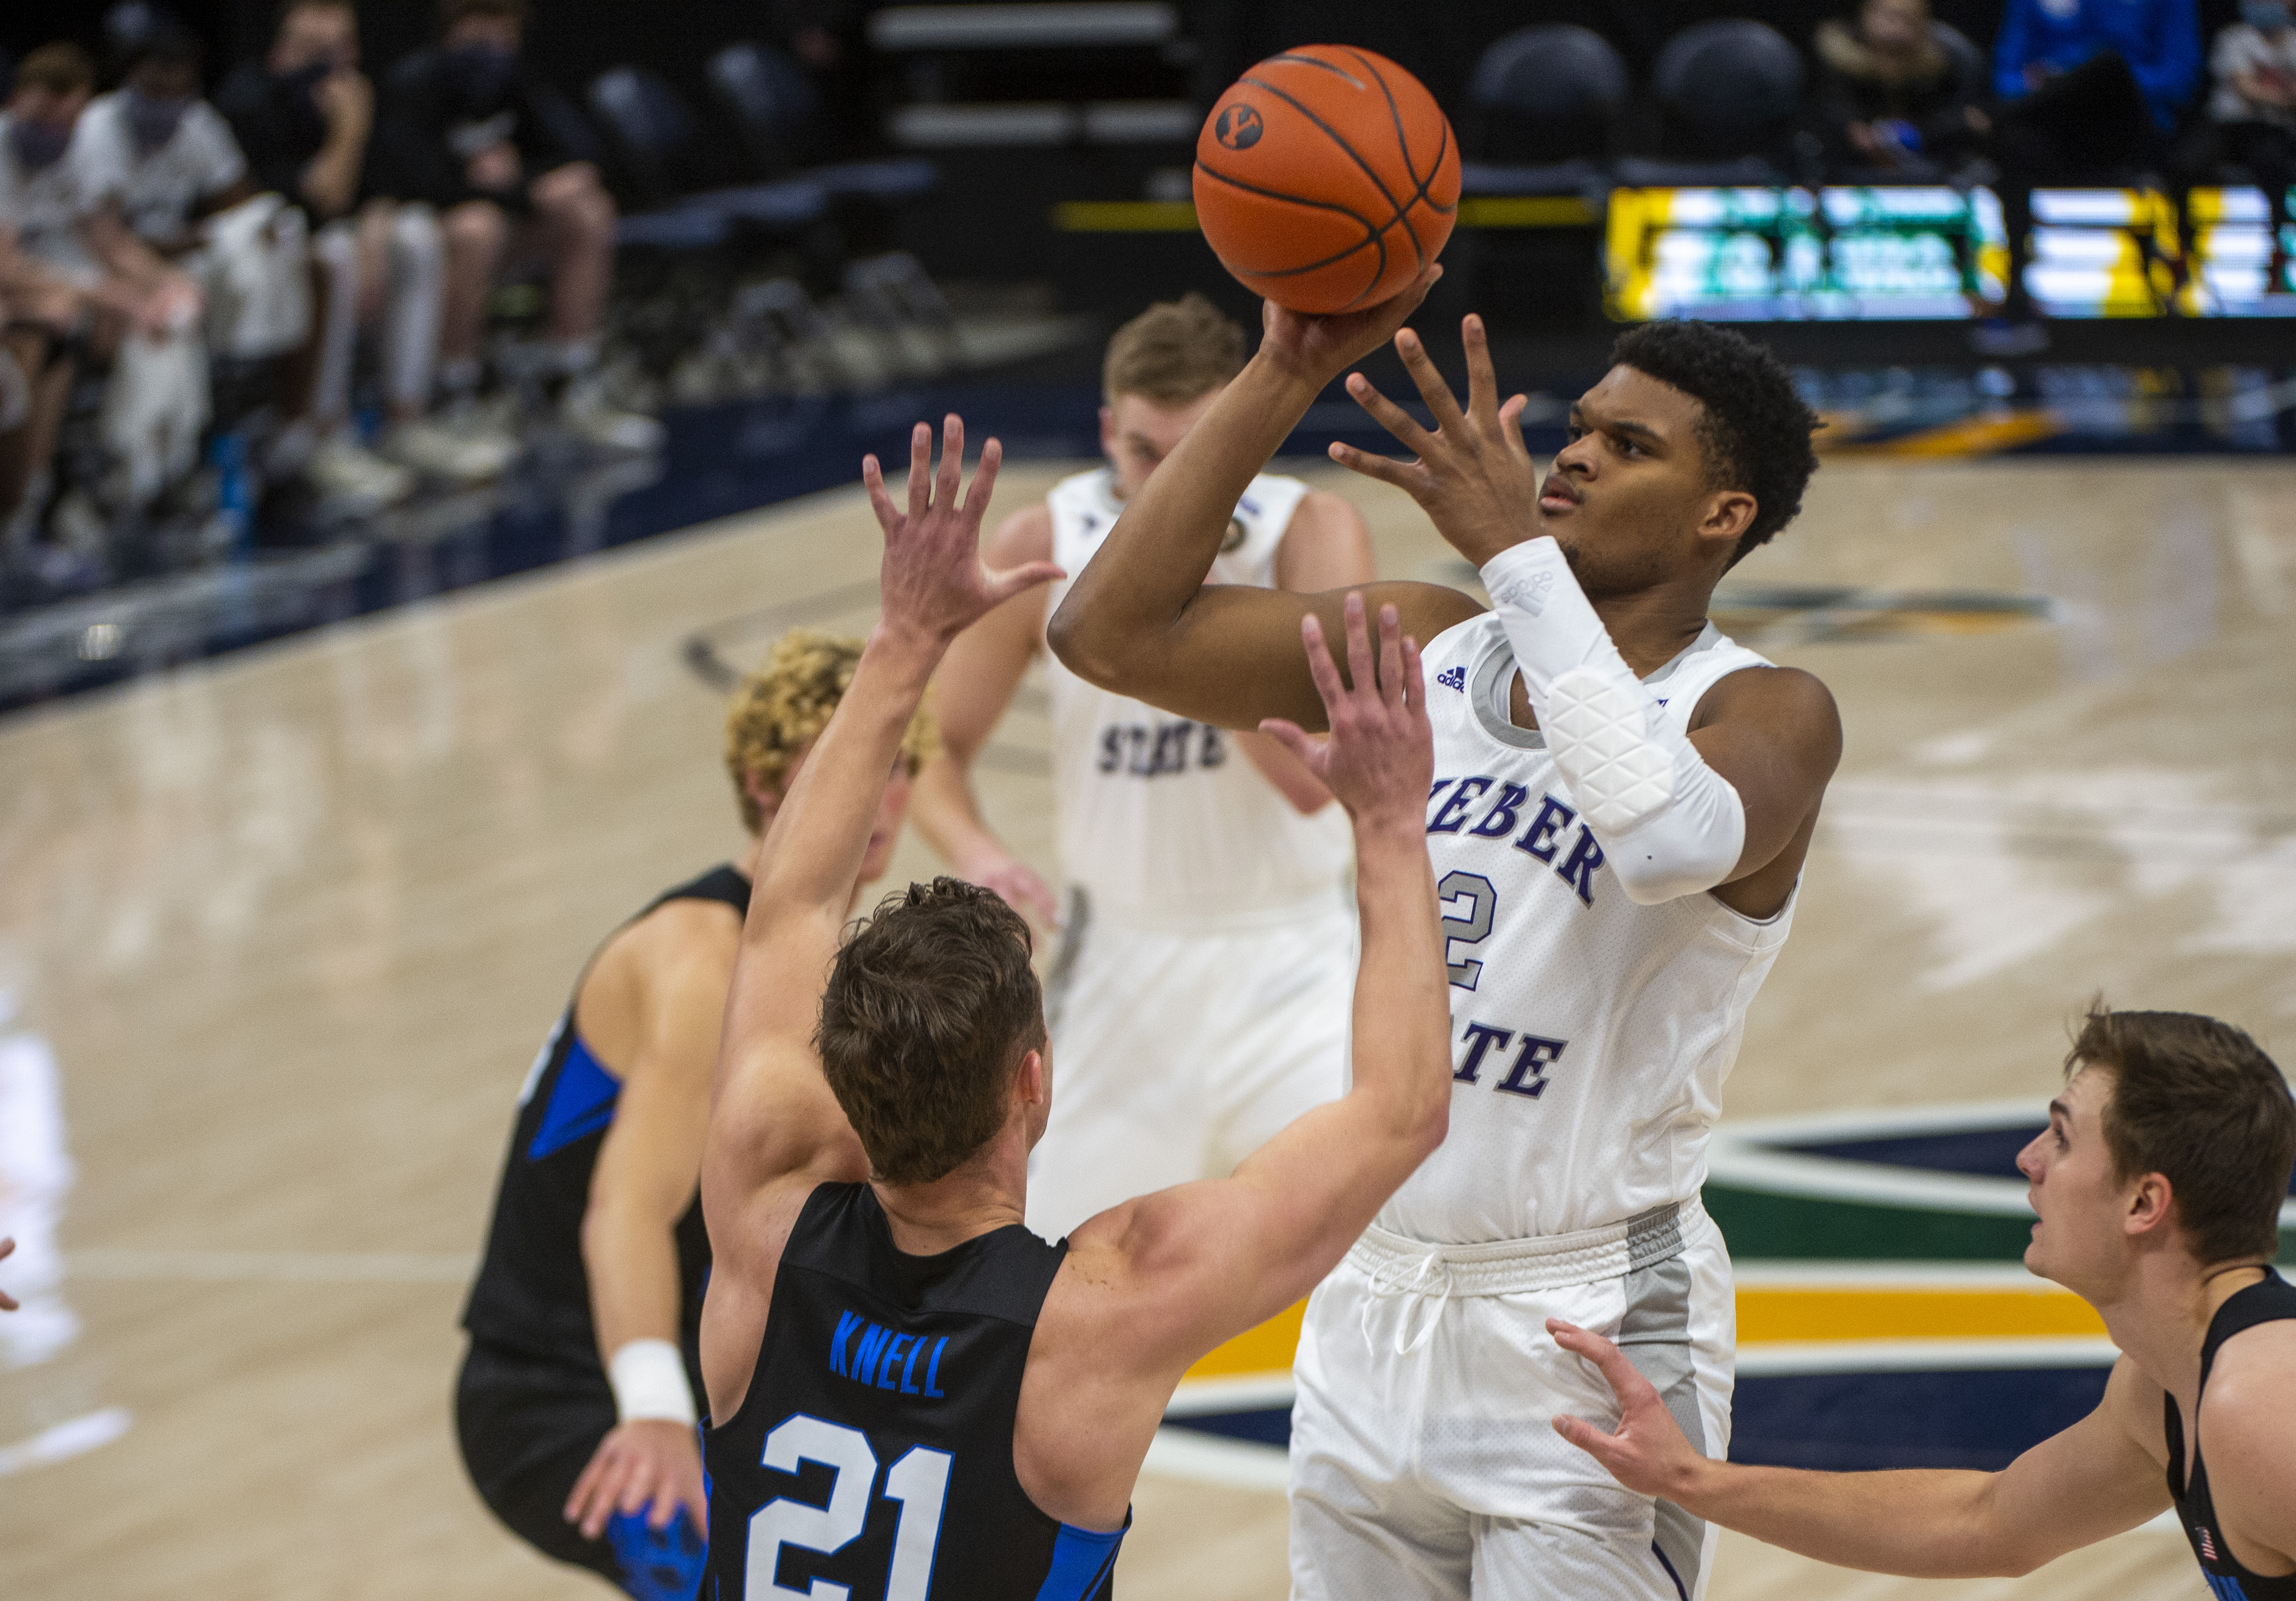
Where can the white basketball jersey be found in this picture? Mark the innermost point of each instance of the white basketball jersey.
(1590, 1035)
(1165, 822)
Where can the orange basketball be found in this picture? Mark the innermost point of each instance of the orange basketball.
(1327, 177)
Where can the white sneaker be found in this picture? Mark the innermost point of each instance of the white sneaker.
(353, 481)
(461, 455)
(586, 412)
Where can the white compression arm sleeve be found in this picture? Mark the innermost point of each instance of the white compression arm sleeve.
(1670, 825)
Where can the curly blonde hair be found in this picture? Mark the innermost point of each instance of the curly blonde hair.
(784, 704)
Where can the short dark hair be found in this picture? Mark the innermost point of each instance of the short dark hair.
(1752, 425)
(929, 1010)
(2199, 1103)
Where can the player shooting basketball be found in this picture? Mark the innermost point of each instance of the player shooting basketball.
(2159, 1183)
(1622, 804)
(890, 1353)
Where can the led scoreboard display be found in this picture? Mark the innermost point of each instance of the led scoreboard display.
(1937, 252)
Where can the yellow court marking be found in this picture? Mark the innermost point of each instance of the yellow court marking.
(1267, 1348)
(1769, 1313)
(1787, 1313)
(1976, 436)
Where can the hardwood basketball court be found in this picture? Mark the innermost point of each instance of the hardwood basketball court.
(290, 925)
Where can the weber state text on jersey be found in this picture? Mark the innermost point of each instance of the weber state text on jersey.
(1159, 817)
(1590, 1035)
(872, 1455)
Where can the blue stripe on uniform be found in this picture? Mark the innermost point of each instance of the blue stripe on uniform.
(581, 1102)
(1081, 1559)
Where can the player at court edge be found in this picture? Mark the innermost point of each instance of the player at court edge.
(909, 1390)
(576, 1403)
(1196, 861)
(1621, 805)
(2159, 1183)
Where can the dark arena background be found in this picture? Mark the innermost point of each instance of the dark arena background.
(329, 745)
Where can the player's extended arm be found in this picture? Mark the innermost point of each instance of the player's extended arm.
(971, 692)
(1326, 547)
(647, 1168)
(1140, 619)
(773, 1114)
(1676, 814)
(2092, 1481)
(1208, 1261)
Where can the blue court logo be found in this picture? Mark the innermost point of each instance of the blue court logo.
(1239, 126)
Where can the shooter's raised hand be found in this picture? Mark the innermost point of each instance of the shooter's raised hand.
(1474, 477)
(1319, 349)
(932, 582)
(1380, 760)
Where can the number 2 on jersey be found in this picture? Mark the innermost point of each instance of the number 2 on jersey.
(918, 1482)
(1471, 926)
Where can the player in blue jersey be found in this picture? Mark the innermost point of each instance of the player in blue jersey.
(910, 1392)
(577, 1402)
(2159, 1185)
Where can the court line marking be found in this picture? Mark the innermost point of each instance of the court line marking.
(128, 1264)
(74, 1437)
(1208, 1459)
(1743, 1155)
(1782, 1358)
(1242, 1393)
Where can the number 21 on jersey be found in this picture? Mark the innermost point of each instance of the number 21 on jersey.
(918, 1482)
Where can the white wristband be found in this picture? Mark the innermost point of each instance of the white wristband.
(649, 1380)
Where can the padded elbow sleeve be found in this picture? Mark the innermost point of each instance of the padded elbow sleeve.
(1670, 825)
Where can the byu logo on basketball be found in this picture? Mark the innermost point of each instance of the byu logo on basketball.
(1239, 127)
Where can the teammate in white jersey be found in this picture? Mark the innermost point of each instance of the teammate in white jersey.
(1622, 803)
(1198, 1001)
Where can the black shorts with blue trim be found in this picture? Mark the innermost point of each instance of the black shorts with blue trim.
(528, 1428)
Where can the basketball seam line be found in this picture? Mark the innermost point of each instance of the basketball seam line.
(1372, 235)
(1404, 145)
(1331, 134)
(1312, 61)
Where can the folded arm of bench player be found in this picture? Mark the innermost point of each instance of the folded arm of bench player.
(1669, 823)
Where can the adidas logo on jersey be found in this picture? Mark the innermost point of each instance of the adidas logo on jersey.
(1454, 678)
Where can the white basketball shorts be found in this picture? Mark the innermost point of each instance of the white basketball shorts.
(1423, 1462)
(1176, 1054)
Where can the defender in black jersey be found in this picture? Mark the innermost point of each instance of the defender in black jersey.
(911, 1395)
(2160, 1185)
(577, 1400)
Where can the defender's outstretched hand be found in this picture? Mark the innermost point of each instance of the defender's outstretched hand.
(933, 584)
(1648, 1454)
(1474, 477)
(1379, 761)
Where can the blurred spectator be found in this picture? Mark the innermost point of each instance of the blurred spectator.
(1897, 102)
(468, 130)
(166, 161)
(2251, 120)
(40, 312)
(2089, 91)
(74, 266)
(303, 114)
